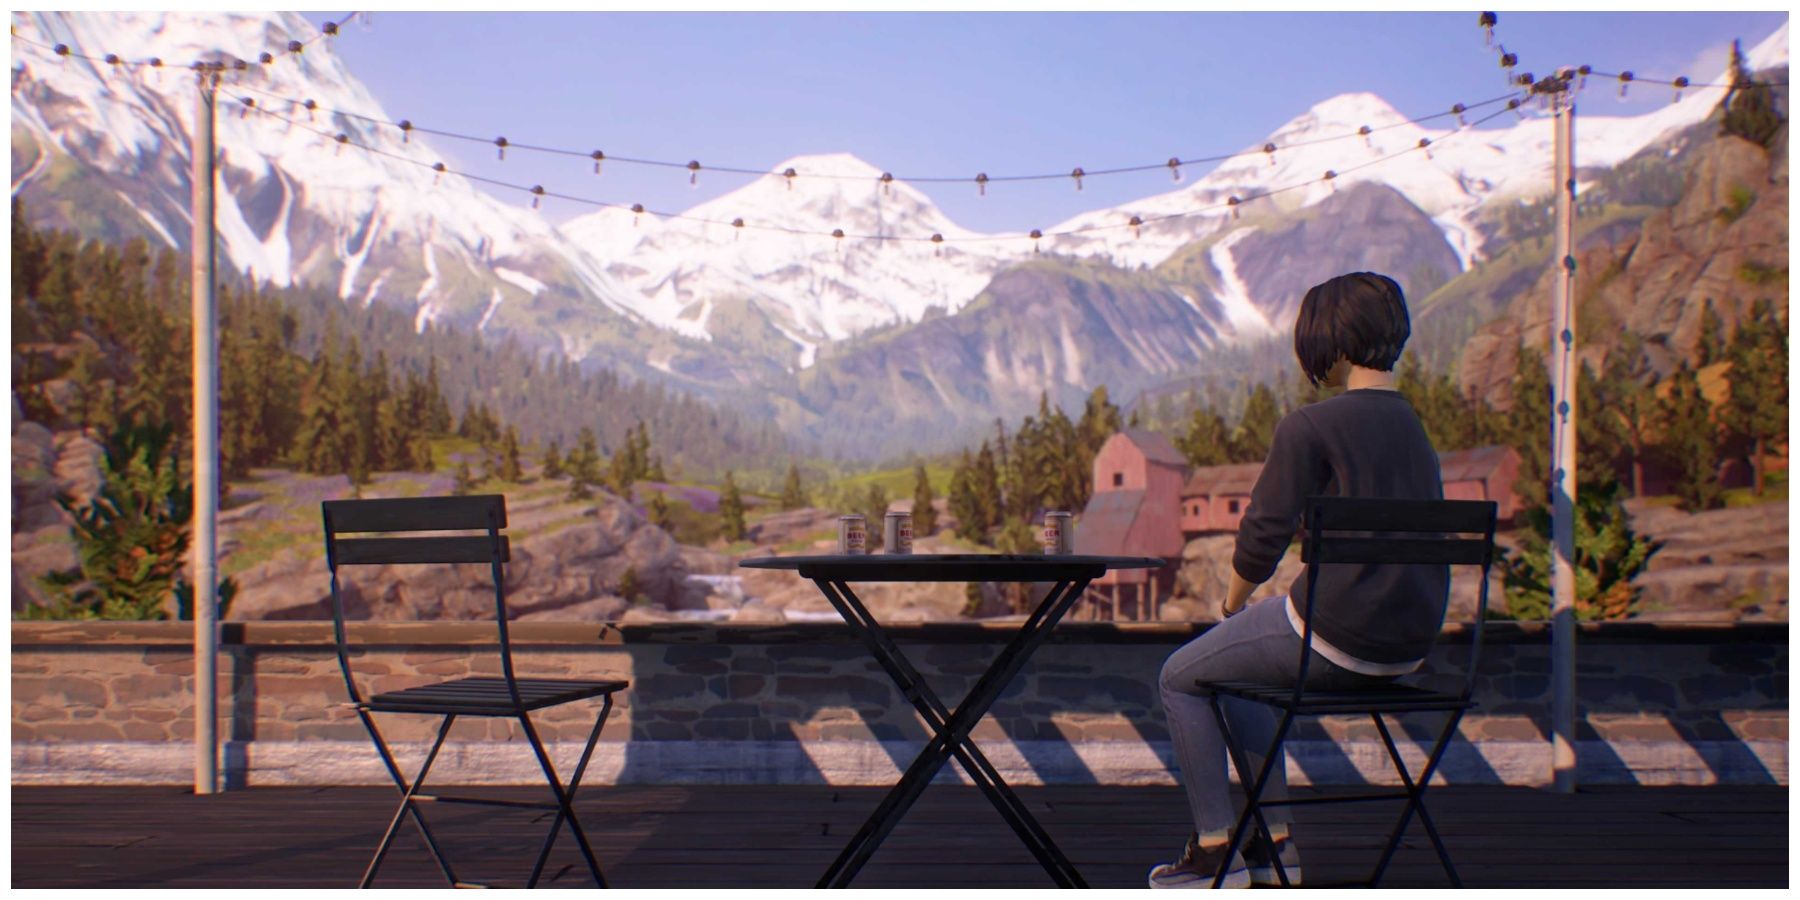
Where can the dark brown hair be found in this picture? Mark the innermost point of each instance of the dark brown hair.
(1360, 316)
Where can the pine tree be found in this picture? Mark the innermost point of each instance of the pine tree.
(511, 471)
(1099, 420)
(584, 465)
(1528, 427)
(874, 507)
(655, 472)
(1632, 406)
(659, 511)
(1758, 406)
(731, 509)
(1608, 555)
(1710, 348)
(1256, 428)
(792, 496)
(924, 513)
(553, 464)
(1206, 441)
(1750, 109)
(985, 480)
(463, 481)
(964, 504)
(1690, 439)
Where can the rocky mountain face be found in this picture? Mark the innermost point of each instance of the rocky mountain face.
(1725, 240)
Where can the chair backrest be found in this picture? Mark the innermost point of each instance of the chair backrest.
(1379, 531)
(412, 515)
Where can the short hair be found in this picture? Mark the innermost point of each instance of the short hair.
(1360, 316)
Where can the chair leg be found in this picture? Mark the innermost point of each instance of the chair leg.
(1242, 765)
(1415, 799)
(406, 803)
(1254, 794)
(587, 753)
(565, 811)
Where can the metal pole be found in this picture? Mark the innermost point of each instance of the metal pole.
(206, 449)
(1562, 443)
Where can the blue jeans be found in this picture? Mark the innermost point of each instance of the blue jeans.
(1258, 645)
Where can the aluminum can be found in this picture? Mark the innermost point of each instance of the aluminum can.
(1059, 532)
(896, 533)
(853, 535)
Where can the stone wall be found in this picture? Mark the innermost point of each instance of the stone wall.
(804, 702)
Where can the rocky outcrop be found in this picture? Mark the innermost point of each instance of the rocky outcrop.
(1730, 224)
(1718, 565)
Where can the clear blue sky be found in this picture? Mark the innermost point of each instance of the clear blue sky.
(940, 93)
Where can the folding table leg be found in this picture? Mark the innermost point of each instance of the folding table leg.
(587, 752)
(955, 732)
(1415, 799)
(565, 809)
(406, 801)
(936, 715)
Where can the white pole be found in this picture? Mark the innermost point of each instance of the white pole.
(206, 450)
(1562, 443)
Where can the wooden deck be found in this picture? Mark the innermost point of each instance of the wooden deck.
(698, 836)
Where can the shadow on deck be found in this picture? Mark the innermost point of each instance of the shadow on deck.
(784, 836)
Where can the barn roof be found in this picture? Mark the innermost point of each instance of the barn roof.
(1155, 447)
(1106, 522)
(1473, 464)
(1237, 478)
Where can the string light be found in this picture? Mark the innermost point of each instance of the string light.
(1624, 82)
(1513, 105)
(405, 131)
(936, 239)
(1331, 179)
(1269, 149)
(237, 61)
(1173, 164)
(1679, 83)
(296, 47)
(342, 139)
(1583, 72)
(310, 107)
(693, 173)
(837, 235)
(1077, 175)
(1137, 226)
(1036, 236)
(249, 104)
(1365, 131)
(737, 228)
(981, 181)
(1425, 145)
(887, 182)
(1462, 121)
(501, 143)
(790, 174)
(598, 158)
(537, 192)
(265, 58)
(1488, 21)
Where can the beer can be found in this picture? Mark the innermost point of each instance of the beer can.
(896, 533)
(1059, 533)
(853, 535)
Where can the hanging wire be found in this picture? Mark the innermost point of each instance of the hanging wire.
(239, 61)
(1135, 222)
(981, 180)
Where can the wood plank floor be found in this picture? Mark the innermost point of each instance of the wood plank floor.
(785, 836)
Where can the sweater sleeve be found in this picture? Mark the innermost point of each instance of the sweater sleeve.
(1290, 473)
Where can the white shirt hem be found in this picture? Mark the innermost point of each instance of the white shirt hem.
(1339, 657)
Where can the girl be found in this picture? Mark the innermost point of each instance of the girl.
(1370, 623)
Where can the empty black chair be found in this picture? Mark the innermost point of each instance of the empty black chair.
(1360, 530)
(506, 696)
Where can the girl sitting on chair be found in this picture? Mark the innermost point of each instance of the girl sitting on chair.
(1370, 623)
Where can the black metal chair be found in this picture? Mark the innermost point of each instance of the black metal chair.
(507, 696)
(1361, 531)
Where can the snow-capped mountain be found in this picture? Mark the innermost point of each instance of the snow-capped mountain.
(761, 309)
(93, 143)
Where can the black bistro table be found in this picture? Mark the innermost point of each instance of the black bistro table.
(950, 730)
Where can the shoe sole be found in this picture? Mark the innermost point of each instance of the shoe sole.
(1233, 880)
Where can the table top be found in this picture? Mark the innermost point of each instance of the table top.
(953, 566)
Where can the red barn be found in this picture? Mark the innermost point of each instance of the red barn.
(1135, 511)
(1215, 497)
(1482, 473)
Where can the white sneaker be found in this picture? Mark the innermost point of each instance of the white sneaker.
(1198, 866)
